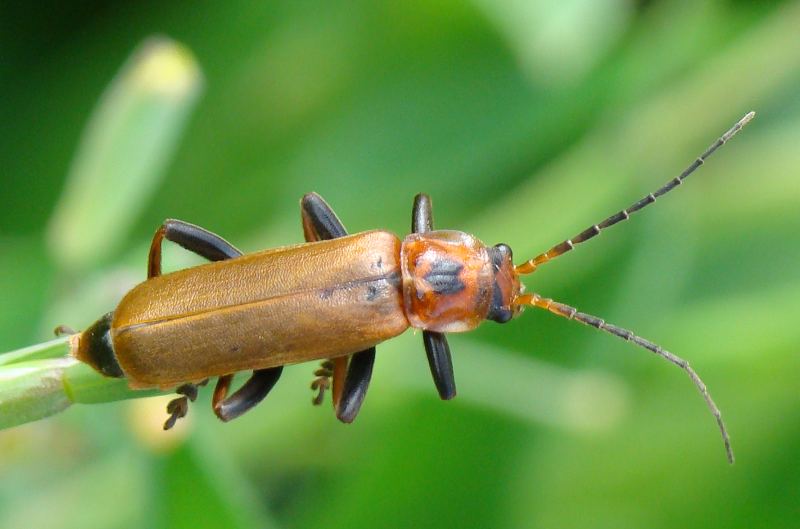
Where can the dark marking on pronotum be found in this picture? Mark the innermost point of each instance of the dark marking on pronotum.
(444, 277)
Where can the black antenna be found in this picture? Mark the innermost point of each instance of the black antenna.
(565, 246)
(571, 313)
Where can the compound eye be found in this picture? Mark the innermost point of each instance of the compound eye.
(499, 314)
(505, 285)
(502, 252)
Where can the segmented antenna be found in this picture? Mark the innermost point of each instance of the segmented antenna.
(565, 246)
(571, 313)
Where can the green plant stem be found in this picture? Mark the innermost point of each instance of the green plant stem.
(43, 380)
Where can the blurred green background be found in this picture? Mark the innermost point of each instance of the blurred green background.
(526, 122)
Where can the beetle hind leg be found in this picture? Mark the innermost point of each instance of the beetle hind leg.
(251, 393)
(178, 408)
(323, 381)
(205, 244)
(193, 238)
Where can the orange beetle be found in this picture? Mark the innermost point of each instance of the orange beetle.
(335, 298)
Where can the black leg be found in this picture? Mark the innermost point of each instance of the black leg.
(321, 223)
(440, 362)
(422, 214)
(191, 237)
(359, 373)
(251, 393)
(436, 347)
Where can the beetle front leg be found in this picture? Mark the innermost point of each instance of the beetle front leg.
(350, 379)
(436, 346)
(441, 363)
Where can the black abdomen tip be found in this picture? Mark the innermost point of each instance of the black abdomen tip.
(95, 348)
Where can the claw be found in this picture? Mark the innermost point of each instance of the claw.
(170, 422)
(317, 400)
(321, 384)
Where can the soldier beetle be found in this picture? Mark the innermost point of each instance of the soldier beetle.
(333, 298)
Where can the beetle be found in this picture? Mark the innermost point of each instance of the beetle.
(333, 298)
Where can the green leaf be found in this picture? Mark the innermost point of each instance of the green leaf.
(124, 151)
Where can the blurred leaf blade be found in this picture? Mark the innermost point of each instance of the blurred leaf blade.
(52, 349)
(124, 152)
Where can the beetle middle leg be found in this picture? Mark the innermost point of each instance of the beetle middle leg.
(436, 346)
(350, 378)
